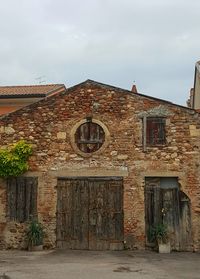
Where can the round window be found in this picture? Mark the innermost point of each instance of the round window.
(89, 137)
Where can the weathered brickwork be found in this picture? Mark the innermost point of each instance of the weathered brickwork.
(47, 125)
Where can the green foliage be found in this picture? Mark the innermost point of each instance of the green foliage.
(13, 160)
(35, 234)
(158, 233)
(22, 149)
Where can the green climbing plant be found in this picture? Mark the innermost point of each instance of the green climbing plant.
(13, 160)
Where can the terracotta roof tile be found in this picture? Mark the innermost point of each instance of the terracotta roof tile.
(27, 90)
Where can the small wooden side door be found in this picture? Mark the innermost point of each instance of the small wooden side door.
(170, 206)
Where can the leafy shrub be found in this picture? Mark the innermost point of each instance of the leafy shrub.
(13, 160)
(22, 149)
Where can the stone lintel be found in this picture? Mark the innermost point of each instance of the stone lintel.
(89, 172)
(163, 174)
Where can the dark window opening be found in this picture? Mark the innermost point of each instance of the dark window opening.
(155, 131)
(89, 137)
(22, 198)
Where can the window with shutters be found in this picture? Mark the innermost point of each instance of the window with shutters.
(155, 131)
(89, 137)
(22, 198)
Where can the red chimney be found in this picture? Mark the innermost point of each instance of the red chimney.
(134, 89)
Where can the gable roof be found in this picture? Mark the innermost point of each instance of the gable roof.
(89, 82)
(29, 91)
(111, 87)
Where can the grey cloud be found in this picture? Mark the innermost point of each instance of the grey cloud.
(155, 43)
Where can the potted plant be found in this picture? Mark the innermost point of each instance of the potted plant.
(35, 234)
(159, 234)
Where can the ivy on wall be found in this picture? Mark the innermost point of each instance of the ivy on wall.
(13, 160)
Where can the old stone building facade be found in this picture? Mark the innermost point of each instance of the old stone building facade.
(107, 164)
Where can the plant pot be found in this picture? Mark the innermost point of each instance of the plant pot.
(34, 236)
(164, 248)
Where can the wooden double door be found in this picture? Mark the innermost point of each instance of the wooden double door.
(90, 213)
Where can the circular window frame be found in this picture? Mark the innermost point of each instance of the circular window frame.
(74, 144)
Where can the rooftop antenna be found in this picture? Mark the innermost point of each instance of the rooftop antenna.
(40, 79)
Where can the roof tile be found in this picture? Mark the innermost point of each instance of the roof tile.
(29, 89)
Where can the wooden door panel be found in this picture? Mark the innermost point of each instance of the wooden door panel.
(79, 214)
(90, 213)
(170, 205)
(98, 236)
(64, 204)
(153, 206)
(106, 215)
(185, 223)
(116, 211)
(72, 214)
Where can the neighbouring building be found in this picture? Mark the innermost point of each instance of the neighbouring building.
(107, 165)
(194, 98)
(16, 97)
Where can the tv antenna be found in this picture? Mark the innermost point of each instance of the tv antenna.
(40, 79)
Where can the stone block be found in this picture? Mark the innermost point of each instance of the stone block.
(122, 157)
(9, 130)
(61, 135)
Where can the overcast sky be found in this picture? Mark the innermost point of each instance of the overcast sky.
(152, 42)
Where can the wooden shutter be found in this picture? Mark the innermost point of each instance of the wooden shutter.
(22, 198)
(155, 131)
(89, 137)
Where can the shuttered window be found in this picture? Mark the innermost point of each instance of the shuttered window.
(89, 137)
(22, 198)
(155, 131)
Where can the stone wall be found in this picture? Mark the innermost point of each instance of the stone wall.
(48, 126)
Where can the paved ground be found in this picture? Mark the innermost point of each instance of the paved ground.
(64, 264)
